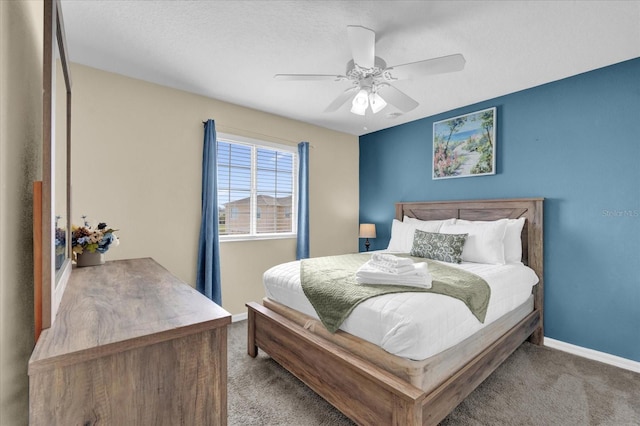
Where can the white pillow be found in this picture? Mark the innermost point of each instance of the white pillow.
(512, 240)
(401, 236)
(402, 232)
(427, 225)
(485, 242)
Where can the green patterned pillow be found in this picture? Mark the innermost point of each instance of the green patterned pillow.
(444, 247)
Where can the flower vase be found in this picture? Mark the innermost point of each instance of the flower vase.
(89, 259)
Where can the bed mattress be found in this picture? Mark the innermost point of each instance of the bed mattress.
(414, 325)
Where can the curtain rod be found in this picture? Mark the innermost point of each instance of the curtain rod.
(226, 129)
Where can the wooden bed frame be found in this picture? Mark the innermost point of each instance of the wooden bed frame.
(370, 395)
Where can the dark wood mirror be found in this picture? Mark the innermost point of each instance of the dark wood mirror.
(52, 248)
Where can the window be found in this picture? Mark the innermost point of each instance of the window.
(256, 188)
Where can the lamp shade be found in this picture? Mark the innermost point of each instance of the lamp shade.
(360, 103)
(367, 230)
(376, 102)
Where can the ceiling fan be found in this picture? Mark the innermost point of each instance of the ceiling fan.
(371, 78)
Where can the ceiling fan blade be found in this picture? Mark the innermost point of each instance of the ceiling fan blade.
(341, 99)
(363, 45)
(397, 98)
(308, 77)
(440, 65)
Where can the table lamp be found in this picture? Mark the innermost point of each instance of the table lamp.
(367, 230)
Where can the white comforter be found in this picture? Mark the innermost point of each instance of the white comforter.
(413, 325)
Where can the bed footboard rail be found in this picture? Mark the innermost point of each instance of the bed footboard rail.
(362, 391)
(442, 400)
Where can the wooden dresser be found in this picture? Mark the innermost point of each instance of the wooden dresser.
(131, 345)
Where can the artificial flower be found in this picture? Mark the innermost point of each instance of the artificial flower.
(86, 238)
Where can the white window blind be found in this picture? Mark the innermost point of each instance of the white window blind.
(256, 189)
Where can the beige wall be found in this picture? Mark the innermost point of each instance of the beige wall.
(20, 164)
(136, 164)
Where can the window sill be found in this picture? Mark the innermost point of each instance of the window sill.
(230, 238)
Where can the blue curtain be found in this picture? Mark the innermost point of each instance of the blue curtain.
(208, 274)
(302, 250)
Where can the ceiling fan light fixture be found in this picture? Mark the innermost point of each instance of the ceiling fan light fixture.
(360, 102)
(376, 102)
(359, 110)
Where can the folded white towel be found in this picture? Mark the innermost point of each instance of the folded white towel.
(419, 277)
(392, 269)
(391, 260)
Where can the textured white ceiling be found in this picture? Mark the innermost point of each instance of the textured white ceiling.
(230, 50)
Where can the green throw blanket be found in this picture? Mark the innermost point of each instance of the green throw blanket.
(330, 285)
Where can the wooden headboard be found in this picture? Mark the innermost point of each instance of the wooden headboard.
(529, 208)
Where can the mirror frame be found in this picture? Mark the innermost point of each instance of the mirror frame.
(52, 284)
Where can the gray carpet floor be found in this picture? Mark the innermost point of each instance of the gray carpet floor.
(535, 386)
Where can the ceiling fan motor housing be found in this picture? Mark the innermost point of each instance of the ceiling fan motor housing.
(368, 77)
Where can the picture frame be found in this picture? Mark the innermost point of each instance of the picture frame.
(465, 146)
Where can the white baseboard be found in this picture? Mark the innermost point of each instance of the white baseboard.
(239, 317)
(604, 357)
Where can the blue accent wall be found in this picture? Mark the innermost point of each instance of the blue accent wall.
(575, 142)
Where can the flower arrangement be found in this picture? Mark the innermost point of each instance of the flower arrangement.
(61, 238)
(92, 240)
(60, 245)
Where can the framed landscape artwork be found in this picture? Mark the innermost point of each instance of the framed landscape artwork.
(465, 146)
